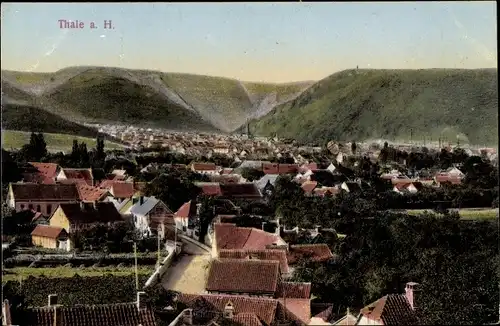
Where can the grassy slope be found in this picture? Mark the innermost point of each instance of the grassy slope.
(221, 100)
(283, 91)
(105, 97)
(388, 103)
(105, 94)
(55, 142)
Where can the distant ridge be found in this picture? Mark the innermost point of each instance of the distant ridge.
(148, 98)
(391, 104)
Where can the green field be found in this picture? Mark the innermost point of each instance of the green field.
(55, 142)
(17, 273)
(391, 104)
(466, 213)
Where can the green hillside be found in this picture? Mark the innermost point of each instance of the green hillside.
(55, 142)
(363, 104)
(104, 97)
(146, 98)
(222, 100)
(31, 118)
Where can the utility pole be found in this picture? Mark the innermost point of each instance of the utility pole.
(158, 239)
(136, 273)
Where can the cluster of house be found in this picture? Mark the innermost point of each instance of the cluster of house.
(65, 199)
(248, 284)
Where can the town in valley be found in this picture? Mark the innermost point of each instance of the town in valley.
(136, 196)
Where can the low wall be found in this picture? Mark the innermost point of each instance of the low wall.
(160, 271)
(195, 242)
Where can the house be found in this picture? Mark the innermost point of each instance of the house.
(408, 187)
(222, 309)
(261, 254)
(221, 149)
(76, 176)
(81, 215)
(276, 168)
(54, 314)
(308, 187)
(266, 184)
(90, 194)
(204, 168)
(393, 309)
(230, 236)
(120, 190)
(209, 188)
(43, 198)
(243, 277)
(454, 172)
(319, 252)
(52, 237)
(253, 277)
(247, 191)
(37, 172)
(188, 211)
(225, 178)
(151, 216)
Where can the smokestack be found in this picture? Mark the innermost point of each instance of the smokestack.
(229, 310)
(141, 304)
(412, 294)
(6, 317)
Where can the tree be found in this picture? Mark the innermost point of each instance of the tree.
(36, 149)
(251, 174)
(100, 154)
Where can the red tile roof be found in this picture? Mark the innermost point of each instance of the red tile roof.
(121, 189)
(224, 178)
(229, 236)
(204, 166)
(247, 319)
(266, 309)
(310, 166)
(88, 193)
(446, 178)
(299, 307)
(392, 309)
(79, 174)
(294, 290)
(43, 192)
(47, 231)
(185, 210)
(209, 188)
(118, 314)
(316, 252)
(37, 177)
(276, 168)
(264, 254)
(321, 192)
(243, 276)
(49, 170)
(308, 186)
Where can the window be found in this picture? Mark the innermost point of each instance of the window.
(22, 206)
(49, 209)
(38, 208)
(30, 206)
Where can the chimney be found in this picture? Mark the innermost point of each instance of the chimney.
(412, 294)
(229, 310)
(6, 317)
(94, 204)
(141, 304)
(141, 200)
(82, 205)
(187, 316)
(52, 300)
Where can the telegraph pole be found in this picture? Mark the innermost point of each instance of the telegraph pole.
(136, 272)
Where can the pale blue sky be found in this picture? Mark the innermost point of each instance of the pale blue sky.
(274, 42)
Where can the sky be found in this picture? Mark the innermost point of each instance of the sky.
(268, 42)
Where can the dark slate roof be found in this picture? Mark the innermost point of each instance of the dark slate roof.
(392, 309)
(41, 192)
(118, 314)
(100, 213)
